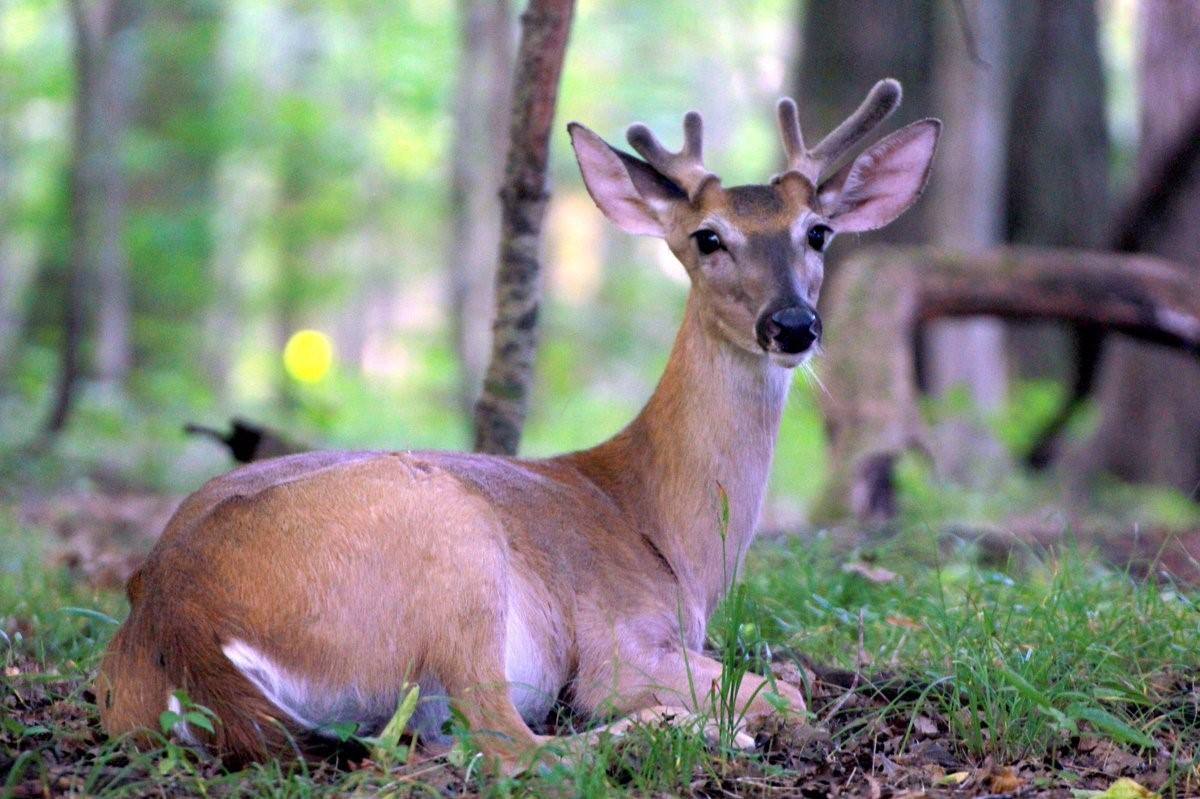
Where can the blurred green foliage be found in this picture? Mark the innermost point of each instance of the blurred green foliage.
(287, 163)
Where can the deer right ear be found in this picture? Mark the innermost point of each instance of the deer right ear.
(630, 192)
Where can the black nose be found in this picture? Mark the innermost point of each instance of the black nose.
(792, 330)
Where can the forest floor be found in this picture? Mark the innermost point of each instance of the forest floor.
(935, 664)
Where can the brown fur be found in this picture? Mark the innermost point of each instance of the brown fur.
(592, 574)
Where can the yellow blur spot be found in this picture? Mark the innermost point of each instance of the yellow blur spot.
(308, 356)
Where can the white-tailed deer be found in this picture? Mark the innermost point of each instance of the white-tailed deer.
(309, 590)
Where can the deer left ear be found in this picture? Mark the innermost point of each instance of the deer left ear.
(884, 181)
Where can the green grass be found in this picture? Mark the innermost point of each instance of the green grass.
(1017, 663)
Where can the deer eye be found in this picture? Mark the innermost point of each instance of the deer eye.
(707, 241)
(818, 237)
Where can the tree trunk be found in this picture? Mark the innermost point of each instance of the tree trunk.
(1057, 155)
(172, 191)
(500, 412)
(481, 106)
(18, 257)
(1150, 414)
(97, 201)
(112, 111)
(847, 45)
(299, 180)
(967, 187)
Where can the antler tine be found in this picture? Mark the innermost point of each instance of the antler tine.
(881, 101)
(879, 104)
(686, 167)
(793, 141)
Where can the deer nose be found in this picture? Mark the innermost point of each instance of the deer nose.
(790, 330)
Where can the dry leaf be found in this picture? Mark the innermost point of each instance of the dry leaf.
(953, 778)
(1004, 780)
(925, 725)
(903, 621)
(873, 574)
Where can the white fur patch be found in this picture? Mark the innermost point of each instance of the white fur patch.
(281, 689)
(531, 688)
(314, 706)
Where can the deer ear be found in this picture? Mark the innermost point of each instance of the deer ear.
(630, 192)
(884, 181)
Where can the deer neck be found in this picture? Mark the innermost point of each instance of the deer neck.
(708, 431)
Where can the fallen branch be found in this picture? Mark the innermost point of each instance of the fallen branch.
(885, 295)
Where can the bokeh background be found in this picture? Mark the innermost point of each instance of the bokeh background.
(211, 177)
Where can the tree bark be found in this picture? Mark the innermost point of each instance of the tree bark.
(1057, 155)
(500, 411)
(967, 188)
(482, 103)
(847, 45)
(887, 294)
(18, 256)
(97, 201)
(1150, 416)
(172, 192)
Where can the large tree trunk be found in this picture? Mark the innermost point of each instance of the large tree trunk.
(1150, 400)
(1057, 183)
(481, 108)
(846, 46)
(97, 203)
(500, 412)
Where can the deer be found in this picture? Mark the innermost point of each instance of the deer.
(315, 589)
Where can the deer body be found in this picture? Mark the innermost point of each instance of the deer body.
(312, 589)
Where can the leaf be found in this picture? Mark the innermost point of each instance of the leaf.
(387, 746)
(167, 721)
(953, 778)
(776, 701)
(924, 725)
(1004, 780)
(1026, 689)
(88, 613)
(723, 497)
(903, 621)
(342, 730)
(200, 720)
(1123, 788)
(1113, 726)
(872, 574)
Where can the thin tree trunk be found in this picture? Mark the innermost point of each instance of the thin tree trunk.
(482, 103)
(114, 314)
(18, 256)
(500, 412)
(96, 252)
(1150, 414)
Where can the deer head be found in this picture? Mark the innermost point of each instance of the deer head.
(755, 254)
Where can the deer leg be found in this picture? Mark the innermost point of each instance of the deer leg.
(683, 687)
(496, 726)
